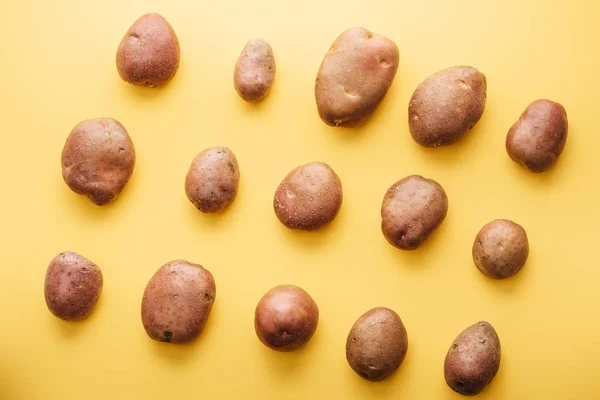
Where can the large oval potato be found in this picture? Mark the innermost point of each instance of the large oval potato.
(213, 179)
(501, 249)
(473, 359)
(254, 71)
(355, 76)
(286, 318)
(149, 52)
(539, 136)
(72, 287)
(98, 159)
(377, 344)
(412, 209)
(177, 302)
(309, 197)
(446, 105)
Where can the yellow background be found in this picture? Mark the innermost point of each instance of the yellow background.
(58, 68)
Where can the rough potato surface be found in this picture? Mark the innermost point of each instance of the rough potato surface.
(254, 71)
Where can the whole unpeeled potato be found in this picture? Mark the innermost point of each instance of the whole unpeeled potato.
(286, 318)
(309, 197)
(377, 344)
(98, 159)
(412, 209)
(72, 287)
(149, 52)
(254, 71)
(177, 302)
(213, 179)
(473, 359)
(355, 76)
(539, 136)
(446, 105)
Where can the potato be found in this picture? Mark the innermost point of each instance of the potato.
(213, 179)
(539, 136)
(149, 52)
(98, 159)
(72, 287)
(473, 359)
(309, 197)
(411, 210)
(286, 318)
(446, 105)
(177, 302)
(500, 249)
(354, 77)
(377, 344)
(254, 71)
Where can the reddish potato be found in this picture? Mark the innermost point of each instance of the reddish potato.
(254, 71)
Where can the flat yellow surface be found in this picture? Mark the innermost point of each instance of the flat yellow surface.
(58, 68)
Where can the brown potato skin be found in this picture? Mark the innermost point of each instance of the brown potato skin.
(286, 318)
(213, 179)
(473, 359)
(149, 52)
(377, 344)
(446, 105)
(501, 249)
(254, 71)
(354, 77)
(309, 197)
(539, 136)
(177, 302)
(98, 159)
(72, 286)
(412, 209)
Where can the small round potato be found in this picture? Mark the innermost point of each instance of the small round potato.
(473, 359)
(309, 197)
(149, 53)
(213, 179)
(254, 71)
(446, 105)
(539, 136)
(177, 302)
(73, 286)
(98, 159)
(286, 318)
(500, 249)
(377, 344)
(354, 77)
(412, 209)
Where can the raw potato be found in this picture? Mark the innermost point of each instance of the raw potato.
(72, 287)
(254, 71)
(411, 210)
(473, 359)
(446, 105)
(98, 159)
(500, 249)
(149, 53)
(177, 302)
(354, 77)
(213, 179)
(539, 136)
(286, 318)
(309, 197)
(377, 344)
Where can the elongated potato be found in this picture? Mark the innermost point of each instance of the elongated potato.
(354, 77)
(446, 105)
(213, 179)
(254, 71)
(412, 210)
(539, 136)
(377, 344)
(177, 302)
(73, 286)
